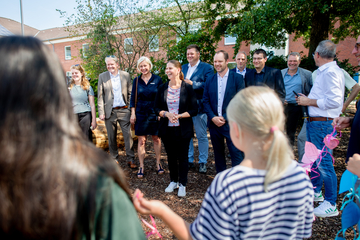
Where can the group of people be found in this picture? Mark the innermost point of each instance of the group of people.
(56, 184)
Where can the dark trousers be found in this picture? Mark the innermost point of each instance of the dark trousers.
(177, 149)
(85, 123)
(293, 114)
(218, 135)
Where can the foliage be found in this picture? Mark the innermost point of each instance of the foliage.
(268, 21)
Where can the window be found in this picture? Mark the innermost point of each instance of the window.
(128, 45)
(154, 43)
(230, 39)
(85, 48)
(68, 53)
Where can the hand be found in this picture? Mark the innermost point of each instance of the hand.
(102, 117)
(354, 164)
(132, 119)
(144, 206)
(188, 81)
(218, 121)
(341, 123)
(93, 124)
(285, 103)
(302, 100)
(172, 117)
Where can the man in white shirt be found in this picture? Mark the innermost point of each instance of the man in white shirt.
(114, 90)
(218, 92)
(325, 103)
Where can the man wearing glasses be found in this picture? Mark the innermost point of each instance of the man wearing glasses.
(264, 75)
(325, 103)
(114, 90)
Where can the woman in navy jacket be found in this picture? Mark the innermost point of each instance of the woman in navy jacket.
(146, 122)
(176, 104)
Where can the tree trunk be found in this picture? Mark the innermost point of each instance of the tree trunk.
(319, 27)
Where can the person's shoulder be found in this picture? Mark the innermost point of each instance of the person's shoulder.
(104, 74)
(304, 70)
(233, 70)
(204, 64)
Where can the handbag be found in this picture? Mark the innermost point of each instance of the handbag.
(137, 81)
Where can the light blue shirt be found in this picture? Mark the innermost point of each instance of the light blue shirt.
(191, 70)
(116, 85)
(243, 72)
(292, 83)
(222, 81)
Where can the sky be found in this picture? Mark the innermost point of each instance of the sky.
(39, 14)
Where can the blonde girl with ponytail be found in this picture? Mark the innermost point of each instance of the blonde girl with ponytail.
(267, 196)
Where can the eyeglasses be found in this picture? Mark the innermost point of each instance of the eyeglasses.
(111, 56)
(313, 54)
(76, 65)
(357, 46)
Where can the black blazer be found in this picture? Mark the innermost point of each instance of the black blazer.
(272, 78)
(187, 104)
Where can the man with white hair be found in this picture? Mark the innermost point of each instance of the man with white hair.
(325, 103)
(114, 90)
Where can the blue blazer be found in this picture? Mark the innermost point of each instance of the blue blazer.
(199, 77)
(234, 84)
(272, 78)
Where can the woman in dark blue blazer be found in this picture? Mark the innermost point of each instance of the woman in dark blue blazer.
(176, 104)
(146, 122)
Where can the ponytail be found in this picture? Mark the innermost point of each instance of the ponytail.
(181, 76)
(260, 111)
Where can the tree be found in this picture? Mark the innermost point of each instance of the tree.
(268, 21)
(182, 22)
(111, 28)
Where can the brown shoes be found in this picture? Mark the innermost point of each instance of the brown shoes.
(131, 164)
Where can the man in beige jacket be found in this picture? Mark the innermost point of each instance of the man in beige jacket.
(114, 90)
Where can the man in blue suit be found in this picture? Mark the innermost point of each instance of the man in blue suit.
(264, 75)
(196, 73)
(241, 60)
(219, 90)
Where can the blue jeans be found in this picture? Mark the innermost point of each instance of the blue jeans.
(200, 125)
(315, 133)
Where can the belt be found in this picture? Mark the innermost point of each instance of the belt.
(120, 107)
(319, 119)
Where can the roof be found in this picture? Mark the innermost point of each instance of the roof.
(4, 31)
(14, 27)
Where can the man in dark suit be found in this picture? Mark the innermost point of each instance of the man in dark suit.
(263, 75)
(219, 90)
(114, 90)
(196, 73)
(241, 60)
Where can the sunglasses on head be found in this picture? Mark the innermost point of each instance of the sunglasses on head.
(76, 65)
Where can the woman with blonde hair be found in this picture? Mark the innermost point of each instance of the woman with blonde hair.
(82, 96)
(143, 116)
(54, 183)
(267, 196)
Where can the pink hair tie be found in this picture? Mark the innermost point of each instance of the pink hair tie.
(273, 129)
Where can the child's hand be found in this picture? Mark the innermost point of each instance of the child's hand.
(354, 164)
(146, 207)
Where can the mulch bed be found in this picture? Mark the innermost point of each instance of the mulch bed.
(153, 186)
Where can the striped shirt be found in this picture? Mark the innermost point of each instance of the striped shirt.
(237, 207)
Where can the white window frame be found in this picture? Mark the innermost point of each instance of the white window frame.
(230, 39)
(128, 41)
(66, 55)
(154, 43)
(85, 49)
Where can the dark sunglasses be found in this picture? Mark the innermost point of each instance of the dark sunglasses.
(76, 65)
(112, 56)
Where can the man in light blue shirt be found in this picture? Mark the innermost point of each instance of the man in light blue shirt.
(298, 80)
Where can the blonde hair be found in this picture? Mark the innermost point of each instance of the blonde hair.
(85, 84)
(260, 111)
(142, 59)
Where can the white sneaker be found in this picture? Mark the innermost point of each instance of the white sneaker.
(325, 209)
(318, 197)
(172, 186)
(182, 191)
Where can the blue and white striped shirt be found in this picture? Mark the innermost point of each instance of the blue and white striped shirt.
(237, 207)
